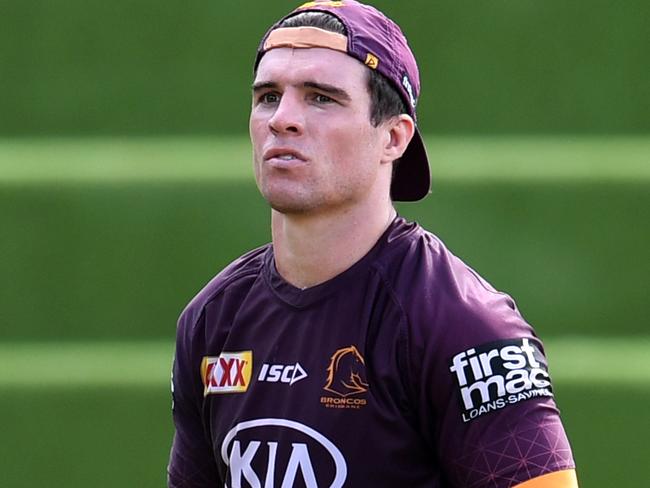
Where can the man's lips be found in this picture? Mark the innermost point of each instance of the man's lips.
(283, 156)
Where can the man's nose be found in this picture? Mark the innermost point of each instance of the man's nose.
(288, 116)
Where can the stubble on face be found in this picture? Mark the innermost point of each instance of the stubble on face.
(333, 134)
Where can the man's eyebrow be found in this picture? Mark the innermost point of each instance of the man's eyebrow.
(264, 85)
(331, 89)
(324, 87)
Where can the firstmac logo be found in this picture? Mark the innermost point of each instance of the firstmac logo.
(494, 375)
(230, 372)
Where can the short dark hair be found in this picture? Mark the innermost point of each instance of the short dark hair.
(385, 102)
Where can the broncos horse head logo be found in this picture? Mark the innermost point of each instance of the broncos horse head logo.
(346, 374)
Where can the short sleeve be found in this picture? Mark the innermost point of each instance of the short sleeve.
(191, 462)
(484, 398)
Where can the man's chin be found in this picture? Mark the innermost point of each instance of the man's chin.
(293, 204)
(305, 205)
(290, 207)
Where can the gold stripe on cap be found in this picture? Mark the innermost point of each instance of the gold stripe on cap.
(321, 4)
(306, 37)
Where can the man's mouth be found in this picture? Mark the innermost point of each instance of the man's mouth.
(283, 155)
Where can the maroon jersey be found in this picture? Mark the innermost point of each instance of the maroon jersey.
(407, 369)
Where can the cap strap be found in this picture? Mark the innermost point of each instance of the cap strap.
(306, 37)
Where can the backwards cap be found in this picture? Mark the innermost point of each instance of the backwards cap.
(377, 42)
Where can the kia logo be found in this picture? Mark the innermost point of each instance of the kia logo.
(239, 457)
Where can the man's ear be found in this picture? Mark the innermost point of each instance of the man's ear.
(399, 132)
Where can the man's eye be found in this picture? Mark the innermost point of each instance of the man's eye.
(269, 98)
(323, 99)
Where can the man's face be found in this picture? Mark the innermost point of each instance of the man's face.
(314, 147)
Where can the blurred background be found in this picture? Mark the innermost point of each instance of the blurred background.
(126, 184)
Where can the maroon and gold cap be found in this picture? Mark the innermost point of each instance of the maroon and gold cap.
(379, 43)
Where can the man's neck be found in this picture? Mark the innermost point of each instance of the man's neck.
(310, 250)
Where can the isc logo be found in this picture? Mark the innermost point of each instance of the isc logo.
(230, 372)
(275, 373)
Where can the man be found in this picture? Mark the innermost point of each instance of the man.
(355, 350)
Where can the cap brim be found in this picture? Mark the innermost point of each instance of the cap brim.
(412, 179)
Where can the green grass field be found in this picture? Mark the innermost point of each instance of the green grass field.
(558, 222)
(105, 240)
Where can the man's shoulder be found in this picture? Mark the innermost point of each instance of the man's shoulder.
(240, 272)
(417, 262)
(437, 289)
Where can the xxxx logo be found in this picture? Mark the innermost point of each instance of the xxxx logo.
(346, 379)
(230, 372)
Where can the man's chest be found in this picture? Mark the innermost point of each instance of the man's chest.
(308, 398)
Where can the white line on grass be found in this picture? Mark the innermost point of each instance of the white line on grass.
(214, 159)
(85, 364)
(617, 361)
(603, 361)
